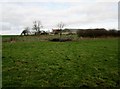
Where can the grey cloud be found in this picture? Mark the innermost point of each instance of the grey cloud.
(77, 14)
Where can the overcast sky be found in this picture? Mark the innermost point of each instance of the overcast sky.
(15, 15)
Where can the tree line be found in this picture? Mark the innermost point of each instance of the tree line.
(98, 32)
(37, 25)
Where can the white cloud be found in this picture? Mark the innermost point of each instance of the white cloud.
(76, 14)
(59, 1)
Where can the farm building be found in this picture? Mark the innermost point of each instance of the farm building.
(64, 31)
(56, 31)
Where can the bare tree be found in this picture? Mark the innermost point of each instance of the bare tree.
(37, 25)
(60, 26)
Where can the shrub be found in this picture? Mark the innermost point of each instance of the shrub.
(60, 39)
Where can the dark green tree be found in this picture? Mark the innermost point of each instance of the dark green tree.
(26, 31)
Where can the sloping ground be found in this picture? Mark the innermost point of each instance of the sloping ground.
(86, 63)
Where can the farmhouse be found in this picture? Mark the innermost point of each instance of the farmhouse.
(64, 31)
(56, 31)
(70, 31)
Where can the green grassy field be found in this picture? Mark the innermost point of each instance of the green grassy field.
(83, 63)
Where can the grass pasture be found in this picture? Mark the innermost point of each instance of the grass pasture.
(83, 63)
